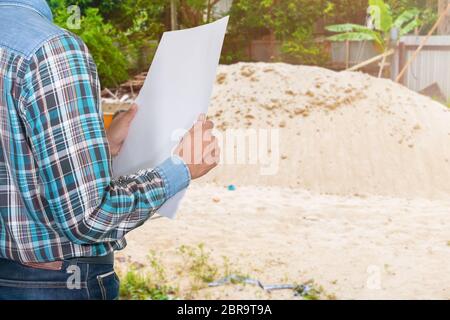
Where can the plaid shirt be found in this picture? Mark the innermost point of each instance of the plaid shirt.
(58, 199)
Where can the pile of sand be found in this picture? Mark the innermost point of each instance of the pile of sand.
(340, 133)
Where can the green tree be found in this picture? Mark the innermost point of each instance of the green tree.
(119, 34)
(193, 13)
(382, 24)
(291, 22)
(99, 37)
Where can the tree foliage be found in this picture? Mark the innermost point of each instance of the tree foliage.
(382, 21)
(195, 12)
(291, 22)
(118, 33)
(121, 34)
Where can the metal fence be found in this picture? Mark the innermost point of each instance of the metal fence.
(348, 54)
(432, 65)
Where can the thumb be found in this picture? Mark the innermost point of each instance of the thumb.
(131, 113)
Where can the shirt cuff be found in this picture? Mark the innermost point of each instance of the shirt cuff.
(175, 174)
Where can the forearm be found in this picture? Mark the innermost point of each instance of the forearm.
(128, 202)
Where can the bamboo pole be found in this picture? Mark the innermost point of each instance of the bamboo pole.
(422, 44)
(401, 59)
(372, 60)
(383, 63)
(347, 54)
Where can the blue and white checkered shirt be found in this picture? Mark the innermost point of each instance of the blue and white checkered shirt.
(58, 199)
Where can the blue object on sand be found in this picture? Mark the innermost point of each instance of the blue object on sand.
(231, 187)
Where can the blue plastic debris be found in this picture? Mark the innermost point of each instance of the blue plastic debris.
(231, 187)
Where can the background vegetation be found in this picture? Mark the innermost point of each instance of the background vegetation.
(123, 35)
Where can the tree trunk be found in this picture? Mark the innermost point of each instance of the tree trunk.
(173, 14)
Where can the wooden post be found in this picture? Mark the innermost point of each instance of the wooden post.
(272, 42)
(444, 28)
(401, 60)
(382, 65)
(347, 54)
(173, 14)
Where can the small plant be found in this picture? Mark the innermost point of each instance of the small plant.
(198, 264)
(136, 285)
(309, 291)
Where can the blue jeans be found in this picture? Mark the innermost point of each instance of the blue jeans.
(75, 281)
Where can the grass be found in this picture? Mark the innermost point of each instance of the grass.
(311, 291)
(137, 286)
(152, 285)
(198, 270)
(197, 263)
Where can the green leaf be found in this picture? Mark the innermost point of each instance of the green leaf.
(406, 17)
(363, 35)
(416, 23)
(347, 27)
(382, 15)
(353, 36)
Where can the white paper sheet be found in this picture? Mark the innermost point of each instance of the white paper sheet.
(177, 89)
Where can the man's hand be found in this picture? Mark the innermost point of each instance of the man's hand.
(199, 149)
(118, 131)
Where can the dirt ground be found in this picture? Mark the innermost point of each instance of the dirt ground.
(355, 248)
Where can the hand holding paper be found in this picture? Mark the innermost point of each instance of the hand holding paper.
(199, 149)
(177, 89)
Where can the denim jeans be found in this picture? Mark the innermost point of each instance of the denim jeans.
(75, 281)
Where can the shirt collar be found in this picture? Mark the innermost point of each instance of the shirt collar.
(40, 6)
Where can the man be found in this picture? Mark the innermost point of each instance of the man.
(62, 214)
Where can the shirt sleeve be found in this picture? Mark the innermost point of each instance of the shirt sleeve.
(64, 126)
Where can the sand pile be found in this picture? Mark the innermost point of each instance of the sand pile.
(340, 133)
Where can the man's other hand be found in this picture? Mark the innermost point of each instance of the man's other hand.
(118, 131)
(199, 148)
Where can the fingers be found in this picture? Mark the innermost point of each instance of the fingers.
(204, 126)
(211, 153)
(202, 117)
(215, 149)
(208, 125)
(127, 116)
(133, 108)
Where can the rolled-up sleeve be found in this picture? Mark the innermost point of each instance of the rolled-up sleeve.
(63, 122)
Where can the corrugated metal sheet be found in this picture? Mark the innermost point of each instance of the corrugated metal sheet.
(432, 65)
(359, 51)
